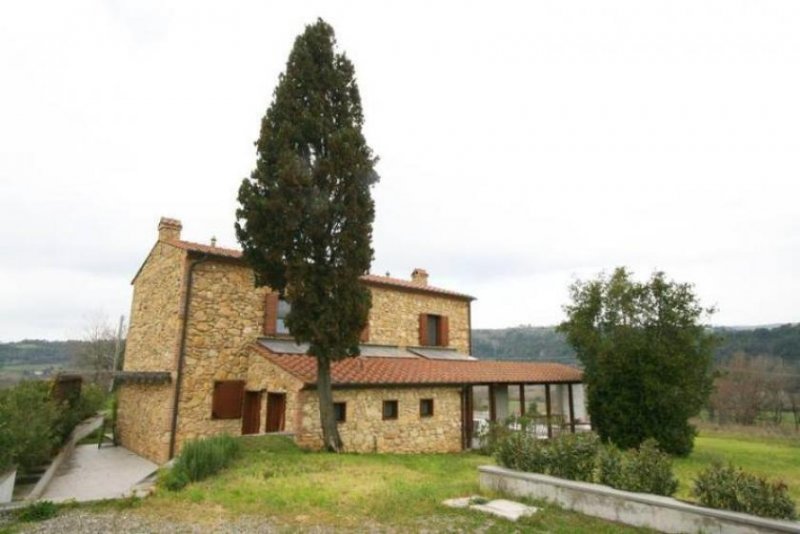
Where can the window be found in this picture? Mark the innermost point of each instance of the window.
(426, 407)
(280, 321)
(227, 399)
(275, 311)
(340, 411)
(390, 409)
(433, 330)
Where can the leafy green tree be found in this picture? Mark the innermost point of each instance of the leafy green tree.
(27, 419)
(646, 356)
(306, 212)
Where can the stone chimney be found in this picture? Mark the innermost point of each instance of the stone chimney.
(419, 277)
(169, 229)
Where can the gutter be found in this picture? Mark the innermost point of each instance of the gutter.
(182, 353)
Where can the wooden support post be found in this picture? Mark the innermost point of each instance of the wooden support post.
(549, 410)
(466, 414)
(522, 400)
(571, 409)
(492, 404)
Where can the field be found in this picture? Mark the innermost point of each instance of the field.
(297, 489)
(776, 456)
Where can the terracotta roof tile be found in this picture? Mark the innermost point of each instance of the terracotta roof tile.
(369, 278)
(395, 371)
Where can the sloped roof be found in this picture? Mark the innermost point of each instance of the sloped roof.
(369, 279)
(363, 371)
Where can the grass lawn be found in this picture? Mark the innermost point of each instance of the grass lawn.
(296, 489)
(774, 457)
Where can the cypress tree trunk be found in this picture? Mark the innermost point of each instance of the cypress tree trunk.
(330, 432)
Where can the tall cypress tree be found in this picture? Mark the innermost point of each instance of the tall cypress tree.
(305, 216)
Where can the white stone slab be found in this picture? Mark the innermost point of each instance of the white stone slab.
(500, 507)
(506, 509)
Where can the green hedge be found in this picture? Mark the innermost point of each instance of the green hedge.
(200, 459)
(730, 488)
(582, 457)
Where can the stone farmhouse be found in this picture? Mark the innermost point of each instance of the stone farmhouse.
(207, 353)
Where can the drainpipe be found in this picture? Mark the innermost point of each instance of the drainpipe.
(181, 354)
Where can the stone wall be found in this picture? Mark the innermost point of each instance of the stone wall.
(366, 431)
(144, 414)
(144, 419)
(225, 316)
(394, 318)
(153, 336)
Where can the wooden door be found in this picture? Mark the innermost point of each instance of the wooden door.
(251, 412)
(276, 412)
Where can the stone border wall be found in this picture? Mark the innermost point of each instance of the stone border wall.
(639, 509)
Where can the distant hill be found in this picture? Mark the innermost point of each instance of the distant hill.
(37, 352)
(543, 343)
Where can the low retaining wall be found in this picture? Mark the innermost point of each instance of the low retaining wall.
(7, 479)
(638, 509)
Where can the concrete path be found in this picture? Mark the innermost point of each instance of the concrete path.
(91, 474)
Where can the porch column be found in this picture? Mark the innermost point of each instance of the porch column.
(492, 404)
(571, 409)
(500, 396)
(549, 410)
(522, 400)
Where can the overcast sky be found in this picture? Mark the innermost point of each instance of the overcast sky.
(522, 145)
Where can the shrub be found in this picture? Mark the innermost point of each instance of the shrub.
(610, 467)
(492, 435)
(730, 488)
(572, 456)
(648, 470)
(582, 457)
(7, 453)
(38, 511)
(28, 417)
(73, 411)
(522, 451)
(200, 459)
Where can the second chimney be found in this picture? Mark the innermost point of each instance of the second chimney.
(419, 277)
(169, 229)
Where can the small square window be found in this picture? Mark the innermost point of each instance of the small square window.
(340, 411)
(390, 409)
(426, 407)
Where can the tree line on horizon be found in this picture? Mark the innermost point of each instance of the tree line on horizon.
(535, 343)
(544, 343)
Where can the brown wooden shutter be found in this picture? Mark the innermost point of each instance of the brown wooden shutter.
(227, 399)
(271, 314)
(423, 329)
(444, 331)
(365, 334)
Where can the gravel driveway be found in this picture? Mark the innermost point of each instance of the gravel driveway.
(82, 521)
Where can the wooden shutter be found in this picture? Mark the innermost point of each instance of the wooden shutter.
(227, 399)
(270, 314)
(444, 331)
(365, 334)
(423, 329)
